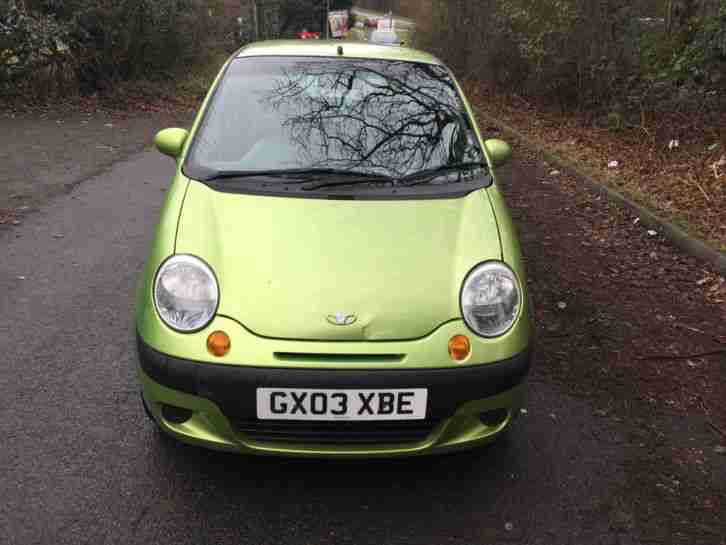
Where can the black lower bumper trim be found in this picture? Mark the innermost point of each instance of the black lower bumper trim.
(352, 433)
(233, 387)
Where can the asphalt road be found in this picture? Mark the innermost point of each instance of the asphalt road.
(46, 151)
(79, 463)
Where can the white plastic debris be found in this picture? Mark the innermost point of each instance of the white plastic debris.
(562, 305)
(613, 164)
(720, 449)
(636, 221)
(652, 233)
(673, 144)
(509, 526)
(719, 167)
(555, 173)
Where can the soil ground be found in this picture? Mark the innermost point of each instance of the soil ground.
(671, 162)
(639, 330)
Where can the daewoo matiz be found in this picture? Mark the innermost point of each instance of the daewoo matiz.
(335, 272)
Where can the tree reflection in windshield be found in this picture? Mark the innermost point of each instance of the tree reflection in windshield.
(384, 117)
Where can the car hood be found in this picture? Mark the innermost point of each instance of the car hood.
(290, 268)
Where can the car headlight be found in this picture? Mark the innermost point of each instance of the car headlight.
(186, 293)
(490, 299)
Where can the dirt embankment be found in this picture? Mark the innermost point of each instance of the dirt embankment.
(673, 164)
(636, 328)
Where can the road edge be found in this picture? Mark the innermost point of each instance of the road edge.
(680, 238)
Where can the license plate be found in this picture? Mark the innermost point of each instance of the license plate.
(354, 405)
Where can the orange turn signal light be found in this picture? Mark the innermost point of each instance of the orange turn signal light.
(459, 348)
(218, 343)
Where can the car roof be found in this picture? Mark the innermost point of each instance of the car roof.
(330, 48)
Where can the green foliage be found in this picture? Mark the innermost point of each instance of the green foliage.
(123, 39)
(100, 41)
(705, 55)
(29, 44)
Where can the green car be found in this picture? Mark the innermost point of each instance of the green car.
(335, 272)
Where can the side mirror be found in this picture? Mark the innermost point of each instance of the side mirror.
(171, 141)
(499, 151)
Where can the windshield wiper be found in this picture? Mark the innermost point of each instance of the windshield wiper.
(421, 177)
(318, 178)
(351, 179)
(298, 175)
(428, 175)
(236, 174)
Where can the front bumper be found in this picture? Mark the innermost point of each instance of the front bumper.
(467, 407)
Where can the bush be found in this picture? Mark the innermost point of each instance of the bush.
(704, 58)
(101, 41)
(31, 44)
(126, 39)
(606, 58)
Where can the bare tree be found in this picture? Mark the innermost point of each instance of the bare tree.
(355, 115)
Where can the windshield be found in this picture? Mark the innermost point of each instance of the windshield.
(387, 118)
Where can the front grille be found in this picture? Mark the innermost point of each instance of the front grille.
(342, 433)
(305, 357)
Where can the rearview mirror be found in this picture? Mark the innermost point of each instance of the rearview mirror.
(171, 141)
(499, 151)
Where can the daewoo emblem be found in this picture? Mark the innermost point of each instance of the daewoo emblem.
(341, 318)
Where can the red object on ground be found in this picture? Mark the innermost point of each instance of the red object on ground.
(309, 35)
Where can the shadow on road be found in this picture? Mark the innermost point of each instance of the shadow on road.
(496, 492)
(460, 471)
